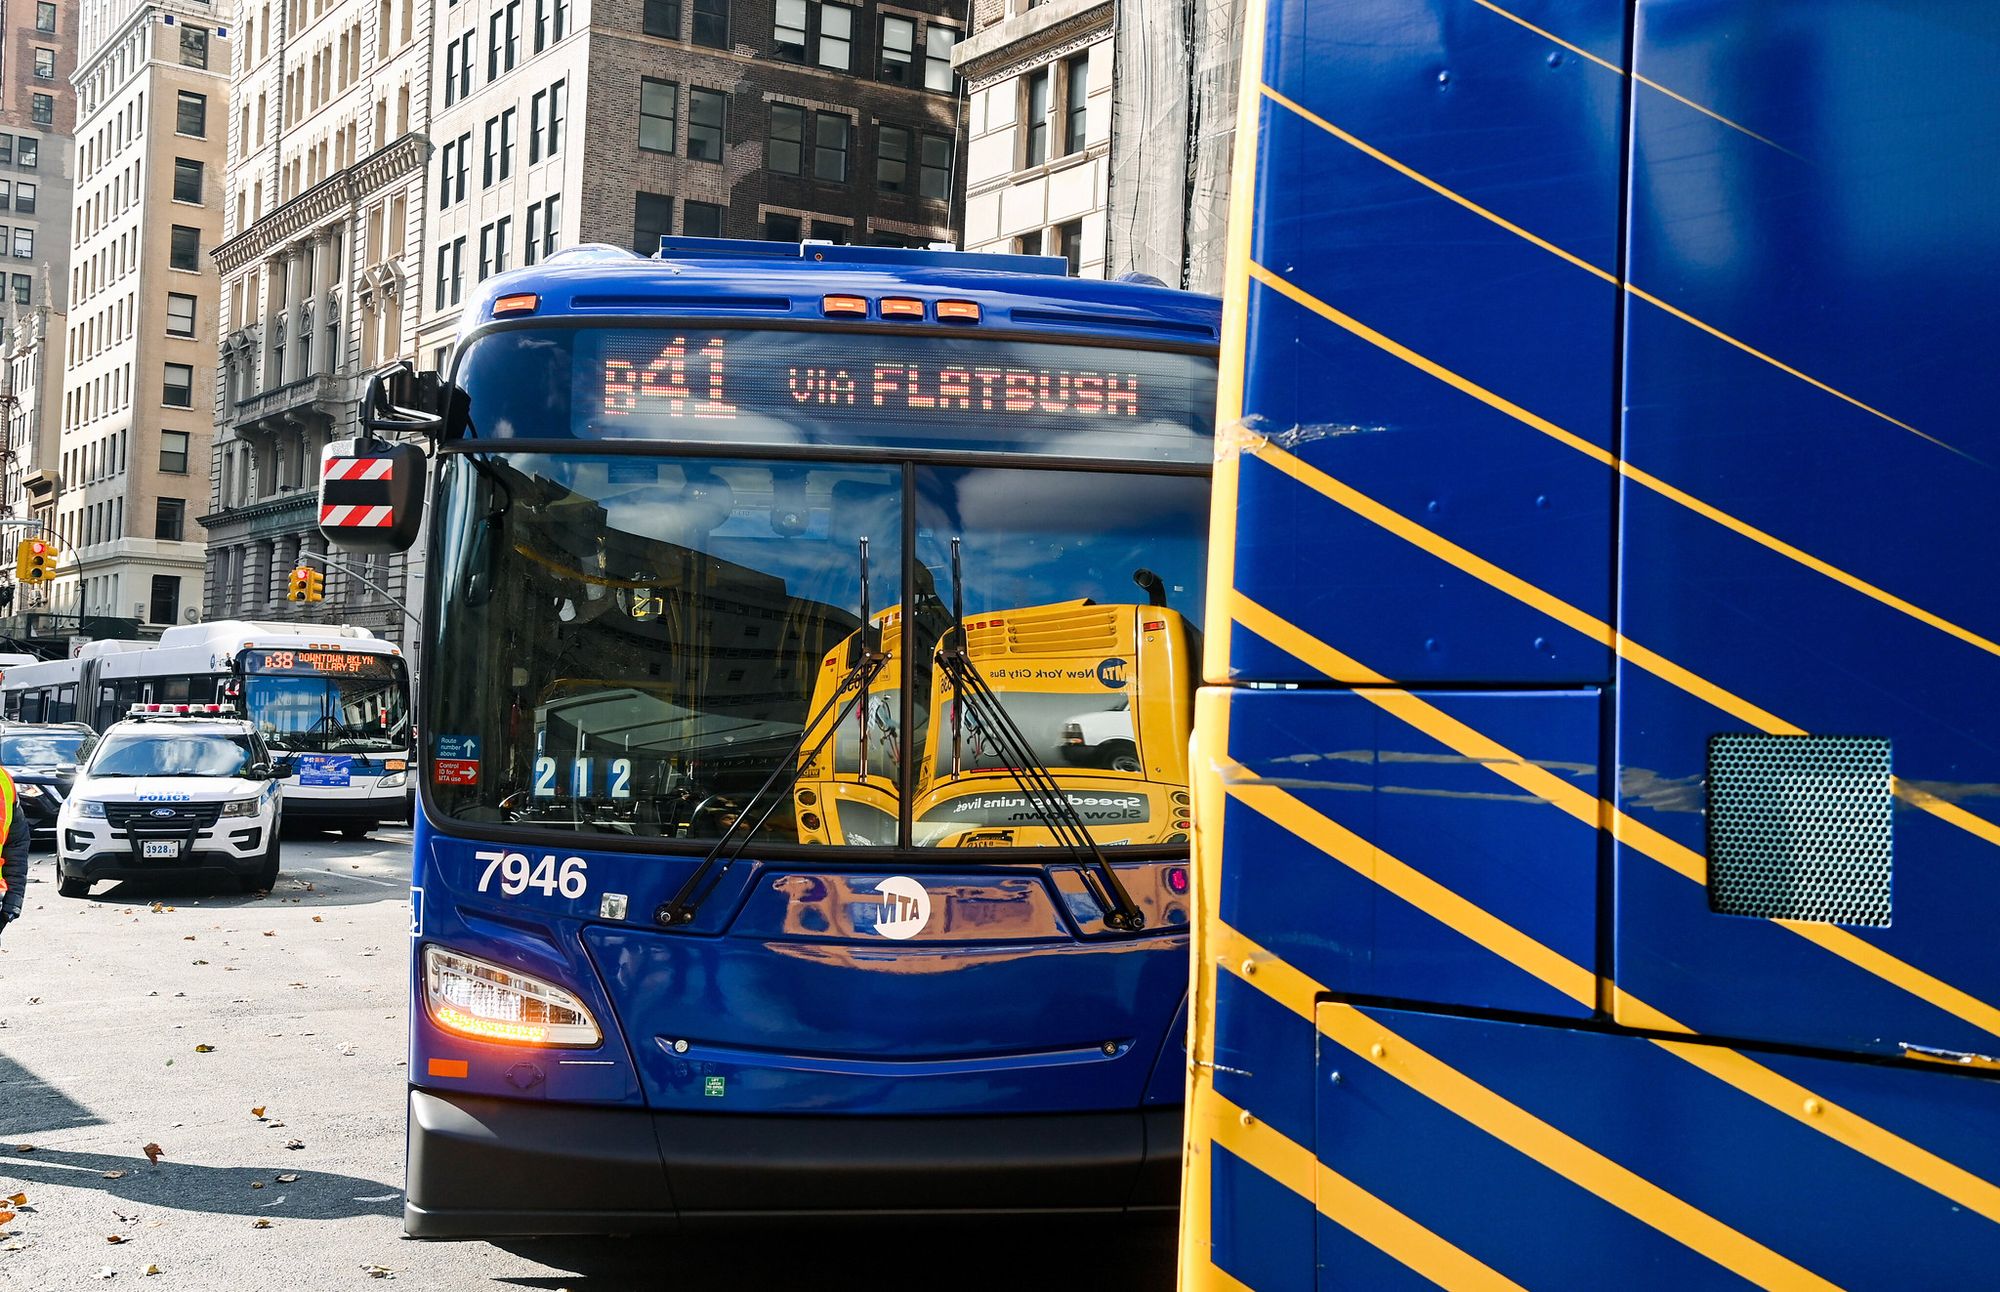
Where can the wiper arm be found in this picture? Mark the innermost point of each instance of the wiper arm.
(853, 685)
(1038, 784)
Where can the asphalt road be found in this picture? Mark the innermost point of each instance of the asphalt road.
(280, 1149)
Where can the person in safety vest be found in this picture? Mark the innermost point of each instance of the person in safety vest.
(13, 854)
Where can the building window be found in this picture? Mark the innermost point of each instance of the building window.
(169, 519)
(187, 180)
(6, 149)
(24, 197)
(24, 243)
(784, 151)
(652, 219)
(1076, 90)
(827, 29)
(485, 253)
(45, 64)
(180, 314)
(892, 159)
(486, 174)
(166, 600)
(45, 16)
(493, 241)
(938, 41)
(701, 219)
(705, 117)
(663, 18)
(531, 247)
(42, 107)
(1035, 116)
(936, 182)
(659, 113)
(1029, 244)
(177, 387)
(458, 69)
(24, 292)
(544, 221)
(899, 42)
(832, 231)
(783, 228)
(551, 22)
(545, 121)
(1069, 244)
(552, 224)
(507, 120)
(451, 272)
(174, 452)
(711, 23)
(27, 152)
(788, 33)
(503, 40)
(191, 114)
(830, 147)
(194, 46)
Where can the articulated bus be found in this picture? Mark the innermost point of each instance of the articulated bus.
(332, 702)
(1598, 782)
(669, 496)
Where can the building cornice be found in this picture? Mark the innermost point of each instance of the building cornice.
(330, 197)
(1041, 34)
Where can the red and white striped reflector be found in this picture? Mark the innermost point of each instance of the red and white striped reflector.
(354, 516)
(358, 469)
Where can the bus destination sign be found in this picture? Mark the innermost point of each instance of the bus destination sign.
(672, 375)
(318, 663)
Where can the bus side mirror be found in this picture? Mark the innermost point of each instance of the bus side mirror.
(371, 495)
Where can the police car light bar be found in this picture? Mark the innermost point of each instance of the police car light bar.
(180, 710)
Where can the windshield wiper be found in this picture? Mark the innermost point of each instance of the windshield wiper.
(1037, 783)
(680, 909)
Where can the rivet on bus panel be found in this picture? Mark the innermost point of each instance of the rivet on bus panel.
(1812, 1108)
(1249, 968)
(518, 303)
(1377, 1050)
(1249, 1118)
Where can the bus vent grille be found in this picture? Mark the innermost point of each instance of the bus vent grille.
(1799, 828)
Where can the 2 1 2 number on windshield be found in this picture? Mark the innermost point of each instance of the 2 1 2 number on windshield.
(518, 874)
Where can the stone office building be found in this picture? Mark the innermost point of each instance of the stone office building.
(618, 121)
(324, 211)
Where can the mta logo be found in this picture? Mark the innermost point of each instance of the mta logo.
(1111, 673)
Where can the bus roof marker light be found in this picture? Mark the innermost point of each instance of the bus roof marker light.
(901, 307)
(517, 303)
(843, 305)
(958, 311)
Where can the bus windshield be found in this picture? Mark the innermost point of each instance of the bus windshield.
(350, 702)
(636, 644)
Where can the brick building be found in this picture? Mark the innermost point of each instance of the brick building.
(319, 264)
(617, 121)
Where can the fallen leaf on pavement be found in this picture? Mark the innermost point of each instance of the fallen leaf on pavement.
(24, 1148)
(318, 920)
(188, 938)
(107, 1273)
(270, 933)
(201, 962)
(379, 1271)
(153, 1153)
(295, 1143)
(288, 1179)
(152, 1269)
(114, 1238)
(5, 1216)
(204, 1049)
(260, 1223)
(258, 1111)
(18, 1199)
(114, 1175)
(157, 908)
(274, 1124)
(256, 1184)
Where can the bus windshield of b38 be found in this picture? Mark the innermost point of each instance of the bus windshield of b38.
(647, 641)
(328, 701)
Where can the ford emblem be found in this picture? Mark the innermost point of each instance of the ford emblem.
(165, 812)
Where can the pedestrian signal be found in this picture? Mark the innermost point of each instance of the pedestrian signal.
(307, 584)
(35, 560)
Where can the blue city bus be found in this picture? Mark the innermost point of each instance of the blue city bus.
(1598, 804)
(675, 951)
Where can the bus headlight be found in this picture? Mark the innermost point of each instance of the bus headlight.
(240, 807)
(393, 781)
(487, 1002)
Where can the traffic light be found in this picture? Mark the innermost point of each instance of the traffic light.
(307, 584)
(35, 560)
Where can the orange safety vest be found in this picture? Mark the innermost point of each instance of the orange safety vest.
(6, 817)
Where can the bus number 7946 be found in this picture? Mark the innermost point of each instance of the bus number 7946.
(517, 876)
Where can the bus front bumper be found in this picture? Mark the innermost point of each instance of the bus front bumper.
(481, 1167)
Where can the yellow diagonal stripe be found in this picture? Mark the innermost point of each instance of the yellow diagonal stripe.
(1585, 623)
(1646, 479)
(1474, 922)
(1352, 1207)
(1562, 1153)
(1597, 813)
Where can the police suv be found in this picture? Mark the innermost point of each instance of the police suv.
(174, 788)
